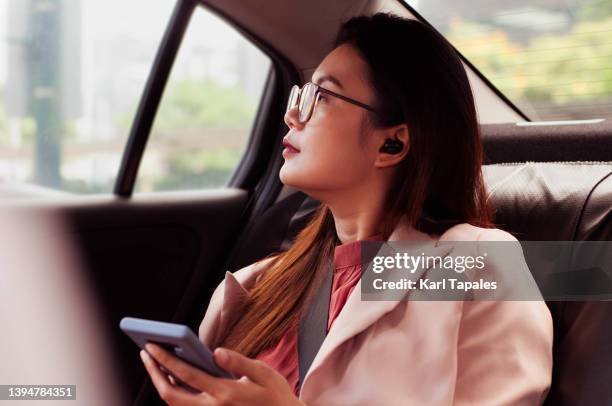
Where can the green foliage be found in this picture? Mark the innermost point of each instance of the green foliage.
(200, 161)
(189, 105)
(196, 104)
(595, 10)
(193, 104)
(554, 68)
(173, 181)
(195, 170)
(28, 127)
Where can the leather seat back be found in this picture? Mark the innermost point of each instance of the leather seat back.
(564, 202)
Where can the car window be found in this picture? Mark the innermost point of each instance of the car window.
(552, 59)
(204, 120)
(71, 73)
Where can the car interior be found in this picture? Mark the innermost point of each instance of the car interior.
(160, 256)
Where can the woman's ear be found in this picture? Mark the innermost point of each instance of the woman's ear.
(394, 143)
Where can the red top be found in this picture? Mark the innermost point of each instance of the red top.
(284, 356)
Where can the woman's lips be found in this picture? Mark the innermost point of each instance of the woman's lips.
(289, 149)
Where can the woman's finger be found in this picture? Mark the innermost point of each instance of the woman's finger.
(168, 392)
(256, 370)
(193, 377)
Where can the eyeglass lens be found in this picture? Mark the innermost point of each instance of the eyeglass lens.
(293, 97)
(306, 102)
(305, 99)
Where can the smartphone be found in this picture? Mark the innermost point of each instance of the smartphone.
(177, 339)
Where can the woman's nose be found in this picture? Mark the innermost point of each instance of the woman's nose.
(291, 119)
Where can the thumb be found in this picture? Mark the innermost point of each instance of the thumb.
(240, 365)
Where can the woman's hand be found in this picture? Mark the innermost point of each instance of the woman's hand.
(259, 383)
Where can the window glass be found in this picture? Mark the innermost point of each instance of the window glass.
(552, 58)
(71, 72)
(207, 110)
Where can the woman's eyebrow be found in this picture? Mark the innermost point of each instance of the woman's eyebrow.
(328, 78)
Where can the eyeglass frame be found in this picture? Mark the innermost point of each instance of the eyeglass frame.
(318, 90)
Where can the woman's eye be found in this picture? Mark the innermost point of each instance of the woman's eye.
(322, 98)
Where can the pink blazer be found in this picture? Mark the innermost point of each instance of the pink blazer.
(417, 352)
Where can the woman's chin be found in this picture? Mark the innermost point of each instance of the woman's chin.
(286, 177)
(289, 183)
(290, 179)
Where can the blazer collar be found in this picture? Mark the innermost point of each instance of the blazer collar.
(355, 316)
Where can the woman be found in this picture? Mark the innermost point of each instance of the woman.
(388, 141)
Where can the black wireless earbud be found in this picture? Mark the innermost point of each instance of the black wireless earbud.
(392, 146)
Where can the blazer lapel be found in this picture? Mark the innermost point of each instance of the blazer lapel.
(357, 315)
(225, 311)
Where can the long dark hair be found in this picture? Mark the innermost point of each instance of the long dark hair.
(418, 80)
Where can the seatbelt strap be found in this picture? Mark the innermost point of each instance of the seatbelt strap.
(313, 326)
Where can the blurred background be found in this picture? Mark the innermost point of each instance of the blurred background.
(551, 58)
(72, 73)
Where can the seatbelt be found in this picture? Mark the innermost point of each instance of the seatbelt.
(313, 326)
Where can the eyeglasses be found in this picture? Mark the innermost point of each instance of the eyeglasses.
(306, 98)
